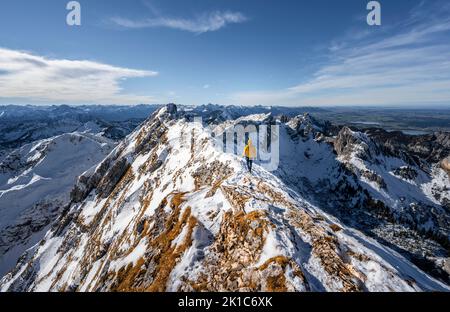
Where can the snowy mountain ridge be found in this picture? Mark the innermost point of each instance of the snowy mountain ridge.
(167, 211)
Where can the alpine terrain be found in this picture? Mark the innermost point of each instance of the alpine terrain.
(168, 209)
(35, 183)
(43, 149)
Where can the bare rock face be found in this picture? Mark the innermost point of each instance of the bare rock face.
(344, 142)
(305, 126)
(113, 176)
(88, 181)
(348, 142)
(447, 265)
(371, 176)
(445, 164)
(431, 147)
(171, 108)
(406, 173)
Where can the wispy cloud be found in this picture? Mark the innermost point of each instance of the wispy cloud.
(407, 64)
(205, 22)
(30, 77)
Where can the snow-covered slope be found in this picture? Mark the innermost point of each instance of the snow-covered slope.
(391, 187)
(168, 211)
(35, 184)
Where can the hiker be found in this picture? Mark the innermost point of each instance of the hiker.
(249, 154)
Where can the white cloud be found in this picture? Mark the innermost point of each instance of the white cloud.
(409, 66)
(206, 22)
(206, 86)
(39, 79)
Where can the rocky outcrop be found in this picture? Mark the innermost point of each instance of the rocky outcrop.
(87, 181)
(305, 126)
(373, 177)
(431, 148)
(349, 142)
(112, 177)
(406, 173)
(445, 164)
(171, 108)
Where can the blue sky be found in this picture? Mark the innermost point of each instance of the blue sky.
(248, 52)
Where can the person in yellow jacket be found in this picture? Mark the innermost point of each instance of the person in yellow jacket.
(249, 154)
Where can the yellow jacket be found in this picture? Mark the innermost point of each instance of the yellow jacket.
(249, 150)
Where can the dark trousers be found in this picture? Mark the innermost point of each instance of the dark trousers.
(249, 164)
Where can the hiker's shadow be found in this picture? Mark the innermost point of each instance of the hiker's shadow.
(202, 239)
